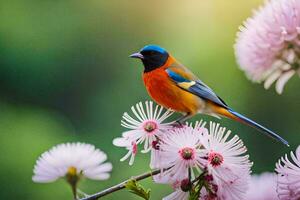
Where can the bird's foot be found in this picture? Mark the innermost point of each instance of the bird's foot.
(178, 124)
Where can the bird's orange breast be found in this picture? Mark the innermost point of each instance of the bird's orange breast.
(166, 93)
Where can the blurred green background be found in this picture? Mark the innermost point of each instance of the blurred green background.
(65, 76)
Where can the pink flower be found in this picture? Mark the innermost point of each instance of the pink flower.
(262, 187)
(288, 187)
(146, 127)
(227, 162)
(181, 150)
(71, 161)
(267, 46)
(219, 162)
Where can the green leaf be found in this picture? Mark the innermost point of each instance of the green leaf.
(194, 195)
(195, 191)
(134, 187)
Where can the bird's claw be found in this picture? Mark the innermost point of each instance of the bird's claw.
(177, 124)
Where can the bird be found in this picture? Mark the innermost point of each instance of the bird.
(172, 85)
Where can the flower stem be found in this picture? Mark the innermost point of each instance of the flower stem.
(74, 191)
(121, 185)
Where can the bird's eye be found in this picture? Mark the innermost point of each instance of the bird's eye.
(151, 53)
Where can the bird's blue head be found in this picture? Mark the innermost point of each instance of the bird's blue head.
(152, 56)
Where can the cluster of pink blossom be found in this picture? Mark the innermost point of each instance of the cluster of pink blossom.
(268, 46)
(195, 161)
(201, 162)
(215, 163)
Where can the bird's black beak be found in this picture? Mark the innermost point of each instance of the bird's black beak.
(137, 55)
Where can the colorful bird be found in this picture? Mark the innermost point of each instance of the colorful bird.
(174, 86)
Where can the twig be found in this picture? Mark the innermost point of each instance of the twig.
(121, 185)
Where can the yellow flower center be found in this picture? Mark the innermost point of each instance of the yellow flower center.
(72, 171)
(150, 126)
(73, 178)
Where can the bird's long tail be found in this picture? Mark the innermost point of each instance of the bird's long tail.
(228, 112)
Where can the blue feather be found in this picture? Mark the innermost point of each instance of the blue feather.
(199, 89)
(258, 126)
(154, 48)
(176, 77)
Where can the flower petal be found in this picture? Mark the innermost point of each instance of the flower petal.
(283, 79)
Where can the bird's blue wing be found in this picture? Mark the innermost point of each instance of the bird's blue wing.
(196, 87)
(201, 90)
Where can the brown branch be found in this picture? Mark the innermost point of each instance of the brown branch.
(121, 185)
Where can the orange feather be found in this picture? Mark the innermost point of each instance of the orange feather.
(223, 112)
(166, 93)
